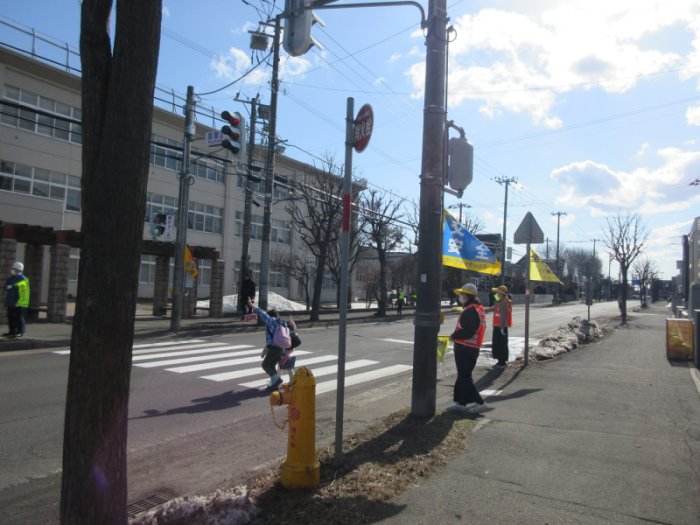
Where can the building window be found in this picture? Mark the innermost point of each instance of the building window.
(281, 194)
(279, 280)
(281, 232)
(73, 264)
(26, 119)
(256, 187)
(360, 277)
(204, 272)
(256, 226)
(170, 158)
(204, 218)
(41, 183)
(160, 204)
(148, 269)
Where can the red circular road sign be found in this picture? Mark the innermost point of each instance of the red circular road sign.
(364, 124)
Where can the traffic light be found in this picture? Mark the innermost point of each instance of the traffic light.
(297, 28)
(234, 140)
(461, 166)
(158, 221)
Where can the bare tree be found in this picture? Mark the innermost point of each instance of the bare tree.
(291, 264)
(405, 273)
(473, 223)
(625, 238)
(117, 116)
(319, 221)
(371, 286)
(647, 271)
(334, 261)
(380, 211)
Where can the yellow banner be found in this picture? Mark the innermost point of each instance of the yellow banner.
(458, 262)
(189, 264)
(539, 271)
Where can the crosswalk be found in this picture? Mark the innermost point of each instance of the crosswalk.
(240, 364)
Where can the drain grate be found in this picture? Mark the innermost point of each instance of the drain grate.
(144, 504)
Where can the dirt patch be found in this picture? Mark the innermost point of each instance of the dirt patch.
(380, 463)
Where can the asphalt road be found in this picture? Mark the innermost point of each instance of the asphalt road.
(192, 430)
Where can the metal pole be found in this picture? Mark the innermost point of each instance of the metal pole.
(186, 180)
(505, 220)
(427, 317)
(270, 172)
(248, 190)
(527, 293)
(345, 256)
(588, 290)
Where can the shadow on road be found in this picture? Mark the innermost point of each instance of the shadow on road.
(222, 401)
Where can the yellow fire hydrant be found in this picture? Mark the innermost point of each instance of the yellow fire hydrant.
(301, 470)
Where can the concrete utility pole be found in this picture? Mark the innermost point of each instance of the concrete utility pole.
(270, 171)
(459, 205)
(427, 317)
(505, 181)
(248, 190)
(558, 214)
(186, 180)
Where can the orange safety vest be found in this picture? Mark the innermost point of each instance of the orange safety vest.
(497, 315)
(478, 338)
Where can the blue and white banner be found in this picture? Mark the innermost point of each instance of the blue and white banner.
(461, 249)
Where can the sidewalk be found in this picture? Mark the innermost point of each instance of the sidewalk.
(607, 434)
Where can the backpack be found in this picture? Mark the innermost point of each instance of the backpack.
(281, 338)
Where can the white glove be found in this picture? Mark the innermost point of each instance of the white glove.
(503, 332)
(8, 287)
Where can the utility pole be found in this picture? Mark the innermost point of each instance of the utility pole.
(248, 210)
(459, 205)
(186, 180)
(506, 181)
(558, 214)
(427, 317)
(270, 171)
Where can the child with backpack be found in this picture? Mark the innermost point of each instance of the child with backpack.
(277, 338)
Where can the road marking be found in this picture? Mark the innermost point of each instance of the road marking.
(397, 341)
(329, 386)
(184, 342)
(230, 362)
(191, 352)
(487, 393)
(318, 372)
(209, 357)
(171, 346)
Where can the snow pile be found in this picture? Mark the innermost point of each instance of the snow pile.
(223, 507)
(273, 301)
(565, 339)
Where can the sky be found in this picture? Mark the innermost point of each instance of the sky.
(593, 106)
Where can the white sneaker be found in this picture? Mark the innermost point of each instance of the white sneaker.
(478, 408)
(457, 408)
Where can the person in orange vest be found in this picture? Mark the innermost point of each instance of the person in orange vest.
(502, 320)
(468, 337)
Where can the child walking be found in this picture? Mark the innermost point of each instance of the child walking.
(271, 353)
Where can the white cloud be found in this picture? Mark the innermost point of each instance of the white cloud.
(394, 57)
(564, 220)
(689, 142)
(414, 51)
(236, 62)
(379, 80)
(693, 115)
(248, 26)
(642, 150)
(664, 235)
(502, 57)
(603, 190)
(166, 12)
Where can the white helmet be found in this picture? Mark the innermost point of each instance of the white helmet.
(18, 266)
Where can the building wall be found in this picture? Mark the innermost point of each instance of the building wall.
(63, 158)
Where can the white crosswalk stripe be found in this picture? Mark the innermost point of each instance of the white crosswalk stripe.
(191, 352)
(222, 364)
(159, 347)
(329, 386)
(171, 343)
(397, 341)
(318, 372)
(227, 376)
(208, 357)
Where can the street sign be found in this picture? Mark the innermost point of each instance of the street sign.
(169, 228)
(214, 138)
(536, 233)
(364, 124)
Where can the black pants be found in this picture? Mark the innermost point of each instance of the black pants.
(399, 305)
(465, 390)
(15, 320)
(245, 308)
(499, 345)
(274, 354)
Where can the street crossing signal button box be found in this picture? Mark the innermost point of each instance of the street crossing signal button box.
(461, 166)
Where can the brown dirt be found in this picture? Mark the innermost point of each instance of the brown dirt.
(380, 463)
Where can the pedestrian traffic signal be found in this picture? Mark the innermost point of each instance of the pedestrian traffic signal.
(297, 28)
(158, 221)
(461, 167)
(234, 133)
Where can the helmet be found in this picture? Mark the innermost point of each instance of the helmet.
(18, 266)
(468, 289)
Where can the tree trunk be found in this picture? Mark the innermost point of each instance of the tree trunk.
(381, 255)
(117, 109)
(623, 292)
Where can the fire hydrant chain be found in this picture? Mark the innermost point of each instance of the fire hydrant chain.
(272, 409)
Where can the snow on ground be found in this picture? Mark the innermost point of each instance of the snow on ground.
(273, 301)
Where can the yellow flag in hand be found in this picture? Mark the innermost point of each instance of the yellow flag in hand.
(189, 264)
(539, 271)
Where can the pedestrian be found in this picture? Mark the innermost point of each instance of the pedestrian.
(619, 303)
(468, 338)
(271, 354)
(492, 298)
(400, 301)
(247, 292)
(287, 362)
(502, 320)
(349, 297)
(17, 287)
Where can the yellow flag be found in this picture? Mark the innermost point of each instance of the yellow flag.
(443, 343)
(189, 264)
(539, 271)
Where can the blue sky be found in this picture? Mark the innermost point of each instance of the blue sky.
(593, 105)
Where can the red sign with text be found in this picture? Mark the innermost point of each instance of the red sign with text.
(364, 124)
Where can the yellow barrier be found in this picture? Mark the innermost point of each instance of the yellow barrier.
(679, 339)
